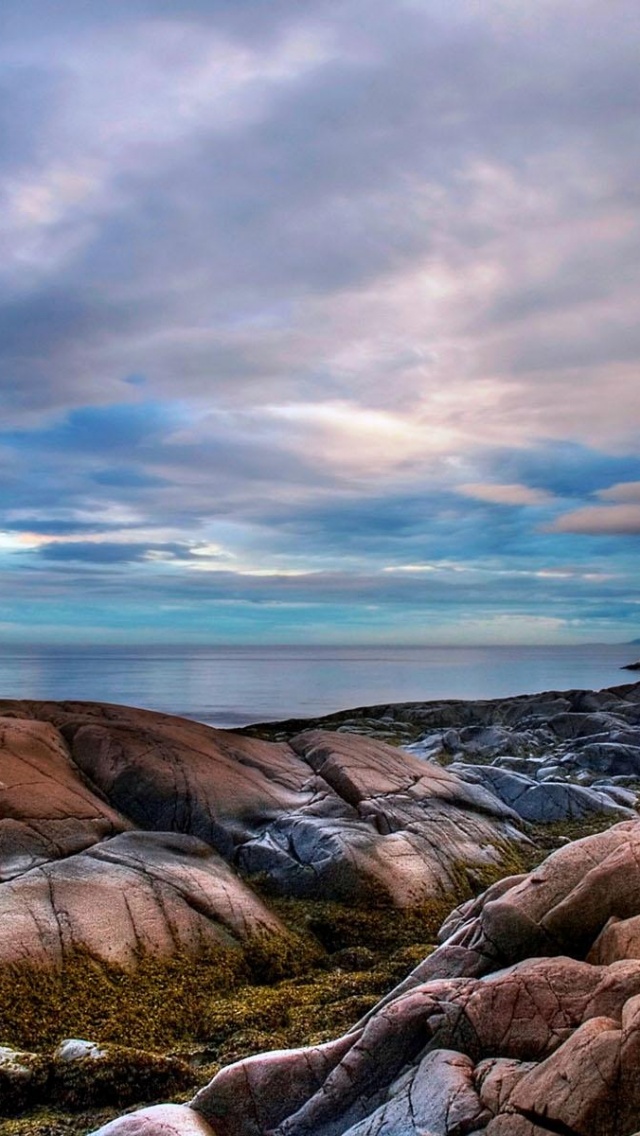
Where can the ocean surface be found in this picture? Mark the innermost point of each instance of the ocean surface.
(234, 686)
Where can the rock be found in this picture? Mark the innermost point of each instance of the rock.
(591, 1083)
(47, 810)
(567, 737)
(564, 904)
(496, 1078)
(466, 912)
(510, 1124)
(543, 801)
(482, 1036)
(370, 826)
(523, 1014)
(437, 1097)
(617, 793)
(525, 1020)
(612, 758)
(138, 893)
(254, 1096)
(159, 1120)
(326, 816)
(75, 1049)
(619, 939)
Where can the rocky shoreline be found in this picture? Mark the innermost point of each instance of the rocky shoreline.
(133, 844)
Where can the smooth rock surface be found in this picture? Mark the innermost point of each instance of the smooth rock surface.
(325, 816)
(159, 1120)
(140, 893)
(535, 987)
(47, 809)
(545, 799)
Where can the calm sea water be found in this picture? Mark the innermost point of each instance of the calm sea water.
(232, 686)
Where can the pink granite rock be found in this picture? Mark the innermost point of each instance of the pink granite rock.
(137, 894)
(47, 808)
(159, 1120)
(327, 816)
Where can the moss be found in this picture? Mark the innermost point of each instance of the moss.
(86, 999)
(122, 1076)
(25, 1083)
(379, 926)
(549, 837)
(296, 1012)
(108, 1004)
(270, 958)
(53, 1122)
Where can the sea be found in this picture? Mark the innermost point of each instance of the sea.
(239, 685)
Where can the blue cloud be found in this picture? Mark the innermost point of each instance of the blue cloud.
(126, 477)
(565, 469)
(100, 429)
(106, 552)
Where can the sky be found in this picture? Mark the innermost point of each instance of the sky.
(319, 321)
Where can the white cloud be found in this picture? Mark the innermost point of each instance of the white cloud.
(504, 494)
(624, 491)
(600, 520)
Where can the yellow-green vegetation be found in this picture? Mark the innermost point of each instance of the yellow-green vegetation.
(123, 1074)
(51, 1122)
(202, 1014)
(164, 1003)
(548, 837)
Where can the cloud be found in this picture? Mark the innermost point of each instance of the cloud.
(626, 491)
(106, 552)
(512, 494)
(563, 469)
(622, 518)
(325, 286)
(596, 520)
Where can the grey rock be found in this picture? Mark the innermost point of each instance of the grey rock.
(75, 1049)
(626, 797)
(542, 801)
(438, 1097)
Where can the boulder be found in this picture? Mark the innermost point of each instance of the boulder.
(140, 893)
(159, 1120)
(47, 808)
(568, 738)
(545, 801)
(438, 1097)
(324, 816)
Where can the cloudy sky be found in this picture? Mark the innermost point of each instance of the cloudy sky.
(319, 320)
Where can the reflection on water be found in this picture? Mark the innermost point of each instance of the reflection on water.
(235, 685)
